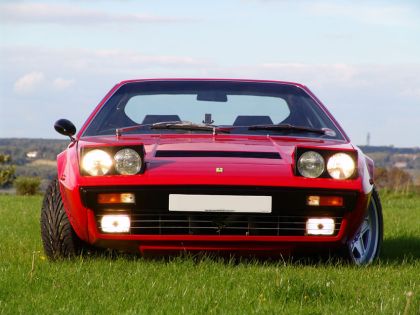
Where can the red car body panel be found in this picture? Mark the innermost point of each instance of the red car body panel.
(175, 171)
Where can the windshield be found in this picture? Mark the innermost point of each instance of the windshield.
(238, 105)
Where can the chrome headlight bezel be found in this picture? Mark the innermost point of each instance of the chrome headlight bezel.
(111, 151)
(326, 154)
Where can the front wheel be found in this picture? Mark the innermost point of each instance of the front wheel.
(58, 236)
(365, 246)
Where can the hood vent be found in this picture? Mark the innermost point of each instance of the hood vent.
(222, 154)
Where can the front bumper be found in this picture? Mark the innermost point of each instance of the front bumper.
(154, 228)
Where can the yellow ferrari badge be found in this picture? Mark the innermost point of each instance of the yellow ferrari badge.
(219, 169)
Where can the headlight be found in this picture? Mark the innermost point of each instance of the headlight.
(311, 164)
(96, 162)
(127, 162)
(341, 166)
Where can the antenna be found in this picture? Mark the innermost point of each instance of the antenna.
(368, 139)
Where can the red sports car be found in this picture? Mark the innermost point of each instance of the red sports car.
(236, 166)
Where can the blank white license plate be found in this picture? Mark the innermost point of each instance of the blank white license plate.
(220, 203)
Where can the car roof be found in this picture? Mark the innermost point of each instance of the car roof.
(213, 79)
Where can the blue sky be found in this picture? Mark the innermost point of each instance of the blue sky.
(361, 58)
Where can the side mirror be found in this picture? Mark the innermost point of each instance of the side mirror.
(65, 127)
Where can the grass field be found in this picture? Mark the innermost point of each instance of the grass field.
(29, 284)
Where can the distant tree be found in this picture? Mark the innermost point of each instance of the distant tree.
(381, 177)
(5, 158)
(27, 185)
(394, 179)
(401, 180)
(7, 171)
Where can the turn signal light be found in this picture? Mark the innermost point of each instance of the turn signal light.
(325, 201)
(116, 198)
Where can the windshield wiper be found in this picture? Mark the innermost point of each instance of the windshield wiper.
(178, 124)
(119, 131)
(288, 127)
(187, 125)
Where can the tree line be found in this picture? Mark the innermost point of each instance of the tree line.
(18, 149)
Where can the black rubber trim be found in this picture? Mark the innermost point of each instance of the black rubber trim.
(232, 154)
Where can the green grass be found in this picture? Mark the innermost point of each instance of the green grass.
(30, 284)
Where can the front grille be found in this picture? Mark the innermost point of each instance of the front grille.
(218, 224)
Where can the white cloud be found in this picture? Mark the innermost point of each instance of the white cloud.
(29, 82)
(32, 81)
(108, 65)
(412, 92)
(315, 74)
(61, 84)
(66, 14)
(133, 57)
(379, 14)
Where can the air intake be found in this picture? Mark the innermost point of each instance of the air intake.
(226, 154)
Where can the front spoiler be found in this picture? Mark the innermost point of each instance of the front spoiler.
(168, 244)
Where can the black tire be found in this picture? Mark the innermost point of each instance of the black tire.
(58, 237)
(365, 246)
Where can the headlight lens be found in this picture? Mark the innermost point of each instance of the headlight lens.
(341, 166)
(96, 162)
(127, 162)
(311, 164)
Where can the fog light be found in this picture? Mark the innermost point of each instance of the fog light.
(119, 223)
(320, 226)
(325, 201)
(116, 198)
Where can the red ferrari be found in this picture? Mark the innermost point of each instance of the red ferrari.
(236, 166)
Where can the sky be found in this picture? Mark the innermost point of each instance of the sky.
(361, 58)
